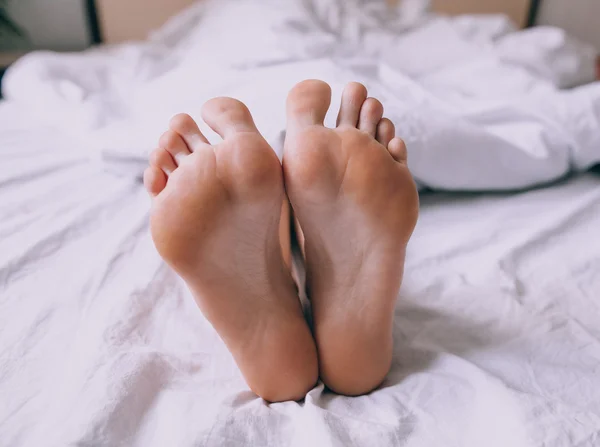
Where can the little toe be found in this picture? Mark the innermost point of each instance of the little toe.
(371, 113)
(228, 116)
(155, 180)
(307, 104)
(186, 127)
(172, 142)
(397, 148)
(163, 160)
(353, 97)
(385, 131)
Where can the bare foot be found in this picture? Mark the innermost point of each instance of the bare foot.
(357, 205)
(215, 220)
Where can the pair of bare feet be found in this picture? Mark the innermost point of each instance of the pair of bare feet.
(216, 220)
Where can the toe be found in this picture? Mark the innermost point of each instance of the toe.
(385, 131)
(397, 148)
(353, 98)
(186, 127)
(172, 142)
(308, 103)
(155, 180)
(228, 116)
(371, 113)
(162, 159)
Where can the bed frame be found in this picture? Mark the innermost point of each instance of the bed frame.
(113, 21)
(517, 10)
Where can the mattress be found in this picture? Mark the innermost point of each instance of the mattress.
(497, 326)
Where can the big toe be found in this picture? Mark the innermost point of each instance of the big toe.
(228, 116)
(246, 162)
(307, 104)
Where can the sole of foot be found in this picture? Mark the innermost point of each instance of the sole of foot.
(357, 205)
(215, 220)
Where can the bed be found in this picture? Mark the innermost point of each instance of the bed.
(497, 326)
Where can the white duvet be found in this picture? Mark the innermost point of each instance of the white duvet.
(497, 328)
(480, 106)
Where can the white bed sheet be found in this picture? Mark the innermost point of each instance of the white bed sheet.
(481, 107)
(497, 329)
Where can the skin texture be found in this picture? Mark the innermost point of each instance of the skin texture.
(357, 205)
(217, 219)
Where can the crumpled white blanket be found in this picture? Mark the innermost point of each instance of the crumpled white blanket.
(497, 326)
(480, 105)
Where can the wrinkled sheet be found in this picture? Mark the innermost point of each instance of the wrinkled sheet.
(482, 107)
(497, 327)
